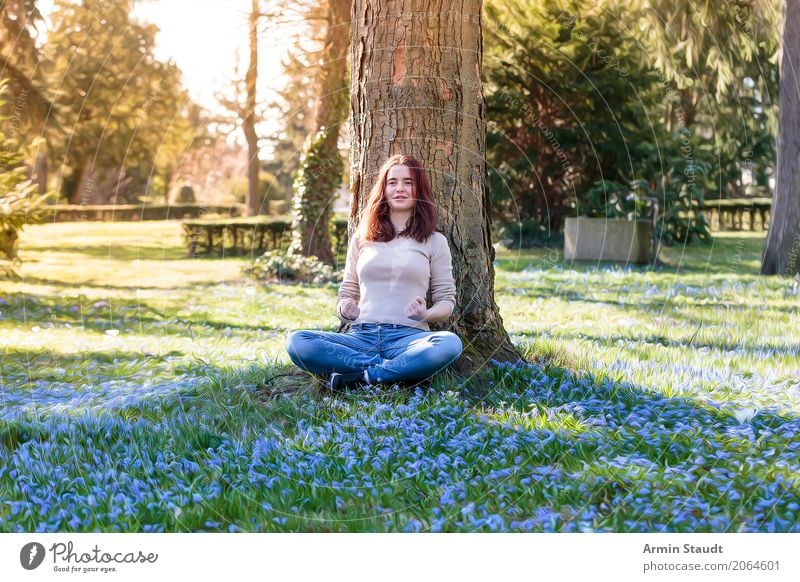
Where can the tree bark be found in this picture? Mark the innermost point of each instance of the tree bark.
(249, 122)
(782, 252)
(320, 173)
(332, 107)
(416, 88)
(40, 171)
(168, 174)
(74, 184)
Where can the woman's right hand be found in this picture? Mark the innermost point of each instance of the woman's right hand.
(349, 310)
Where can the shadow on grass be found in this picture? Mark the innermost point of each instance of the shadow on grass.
(123, 253)
(655, 306)
(99, 316)
(41, 357)
(677, 259)
(64, 285)
(754, 351)
(624, 421)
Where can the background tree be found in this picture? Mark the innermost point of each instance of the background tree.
(584, 120)
(253, 201)
(188, 132)
(295, 103)
(321, 166)
(750, 26)
(116, 101)
(723, 59)
(20, 203)
(561, 110)
(690, 40)
(272, 179)
(782, 253)
(297, 99)
(412, 91)
(20, 64)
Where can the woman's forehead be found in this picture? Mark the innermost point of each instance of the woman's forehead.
(398, 172)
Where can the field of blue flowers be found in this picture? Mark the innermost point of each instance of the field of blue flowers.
(146, 391)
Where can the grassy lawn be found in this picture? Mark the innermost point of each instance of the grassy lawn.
(143, 390)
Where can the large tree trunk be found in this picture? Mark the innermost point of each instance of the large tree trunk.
(782, 253)
(416, 88)
(249, 122)
(320, 173)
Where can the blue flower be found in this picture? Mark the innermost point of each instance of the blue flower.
(413, 525)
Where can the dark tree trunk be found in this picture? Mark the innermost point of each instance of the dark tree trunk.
(782, 253)
(416, 88)
(74, 185)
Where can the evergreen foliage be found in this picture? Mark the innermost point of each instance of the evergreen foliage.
(582, 116)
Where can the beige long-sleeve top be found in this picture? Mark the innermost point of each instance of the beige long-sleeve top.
(384, 277)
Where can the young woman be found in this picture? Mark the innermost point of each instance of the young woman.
(394, 258)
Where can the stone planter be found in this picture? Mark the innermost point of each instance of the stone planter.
(608, 239)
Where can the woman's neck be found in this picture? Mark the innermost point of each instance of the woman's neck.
(399, 220)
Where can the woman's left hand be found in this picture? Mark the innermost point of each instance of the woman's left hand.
(416, 310)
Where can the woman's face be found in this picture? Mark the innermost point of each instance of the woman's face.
(400, 190)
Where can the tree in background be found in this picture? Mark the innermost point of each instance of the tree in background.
(415, 87)
(723, 59)
(321, 166)
(20, 60)
(584, 116)
(295, 102)
(253, 201)
(20, 203)
(19, 56)
(693, 41)
(119, 106)
(561, 112)
(188, 133)
(242, 107)
(272, 179)
(782, 252)
(298, 97)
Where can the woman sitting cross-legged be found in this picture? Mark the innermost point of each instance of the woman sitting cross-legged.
(394, 258)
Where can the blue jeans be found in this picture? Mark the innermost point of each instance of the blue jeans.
(388, 352)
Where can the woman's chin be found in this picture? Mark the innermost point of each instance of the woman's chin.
(403, 208)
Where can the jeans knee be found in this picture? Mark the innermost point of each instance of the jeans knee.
(450, 346)
(296, 344)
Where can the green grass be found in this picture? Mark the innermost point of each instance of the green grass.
(144, 390)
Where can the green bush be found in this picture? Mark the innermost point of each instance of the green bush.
(566, 131)
(279, 267)
(679, 219)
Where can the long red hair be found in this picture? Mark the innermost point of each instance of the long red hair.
(376, 224)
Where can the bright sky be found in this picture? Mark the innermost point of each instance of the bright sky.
(204, 43)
